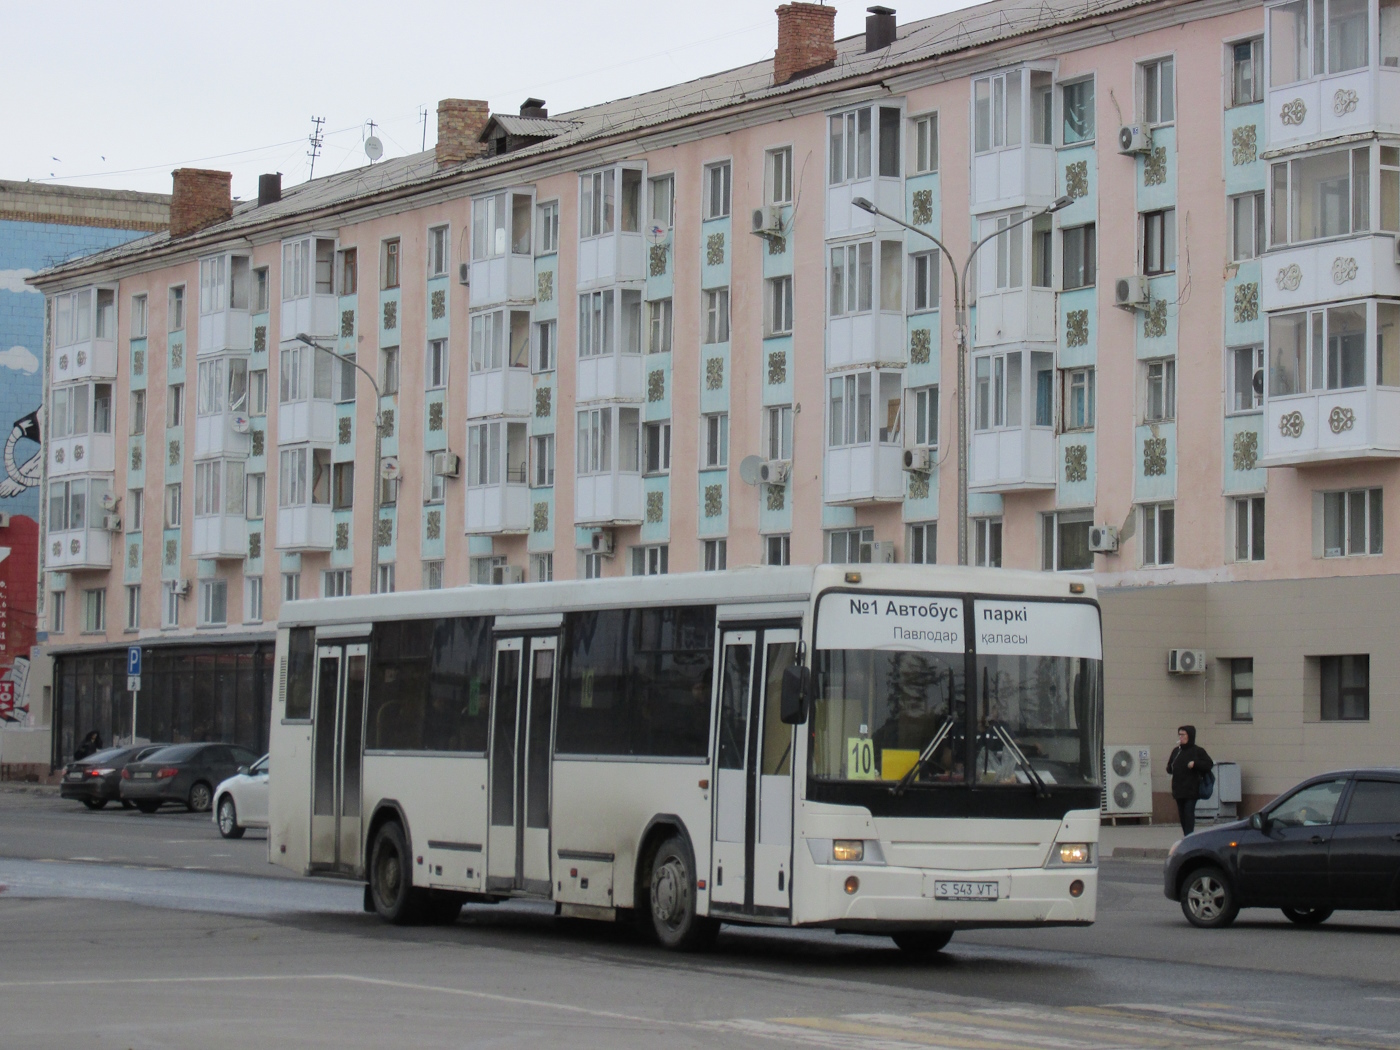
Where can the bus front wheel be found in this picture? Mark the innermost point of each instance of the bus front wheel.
(672, 900)
(391, 877)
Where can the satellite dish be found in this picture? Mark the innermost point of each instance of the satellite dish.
(749, 469)
(109, 502)
(374, 149)
(240, 423)
(389, 469)
(657, 234)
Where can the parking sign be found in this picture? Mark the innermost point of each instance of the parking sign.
(133, 660)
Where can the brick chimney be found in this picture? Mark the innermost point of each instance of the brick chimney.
(200, 198)
(806, 40)
(460, 124)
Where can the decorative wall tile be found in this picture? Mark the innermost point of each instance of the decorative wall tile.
(1154, 323)
(1077, 462)
(656, 507)
(543, 397)
(432, 525)
(714, 501)
(1293, 113)
(170, 552)
(435, 414)
(656, 260)
(138, 362)
(438, 307)
(1244, 145)
(1341, 419)
(540, 518)
(714, 249)
(136, 457)
(1077, 179)
(1246, 450)
(922, 212)
(345, 427)
(920, 346)
(59, 455)
(1154, 172)
(1077, 328)
(656, 385)
(777, 497)
(260, 338)
(1343, 270)
(133, 556)
(391, 314)
(1154, 457)
(386, 420)
(1290, 424)
(77, 453)
(259, 442)
(1344, 102)
(1246, 302)
(918, 486)
(255, 544)
(347, 323)
(342, 535)
(1289, 277)
(174, 452)
(177, 355)
(777, 245)
(544, 286)
(714, 373)
(777, 368)
(385, 532)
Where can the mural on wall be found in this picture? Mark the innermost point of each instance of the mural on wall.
(22, 463)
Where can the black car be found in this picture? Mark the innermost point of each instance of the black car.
(96, 780)
(1331, 842)
(182, 773)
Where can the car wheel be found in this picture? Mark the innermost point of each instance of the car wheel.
(391, 877)
(1308, 916)
(672, 900)
(94, 803)
(148, 807)
(1208, 899)
(922, 943)
(228, 819)
(201, 797)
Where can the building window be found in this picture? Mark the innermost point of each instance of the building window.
(717, 315)
(255, 504)
(434, 484)
(542, 567)
(138, 316)
(1159, 402)
(1158, 91)
(850, 142)
(170, 604)
(1246, 226)
(649, 561)
(661, 204)
(659, 317)
(436, 364)
(1080, 256)
(1319, 196)
(1346, 688)
(849, 410)
(253, 599)
(138, 412)
(335, 583)
(923, 280)
(594, 449)
(1077, 107)
(1065, 541)
(175, 405)
(717, 178)
(388, 486)
(1352, 523)
(656, 448)
(386, 579)
(852, 278)
(715, 555)
(1246, 364)
(778, 300)
(437, 251)
(1338, 346)
(597, 333)
(777, 432)
(850, 546)
(134, 509)
(291, 586)
(1338, 31)
(432, 575)
(1247, 72)
(58, 601)
(213, 603)
(95, 610)
(925, 411)
(389, 264)
(389, 371)
(1079, 399)
(1159, 241)
(777, 165)
(996, 103)
(133, 606)
(596, 203)
(777, 550)
(257, 392)
(488, 335)
(1249, 528)
(542, 454)
(591, 566)
(1242, 689)
(172, 506)
(548, 219)
(924, 142)
(1158, 534)
(997, 390)
(175, 314)
(489, 570)
(545, 346)
(922, 544)
(347, 272)
(714, 438)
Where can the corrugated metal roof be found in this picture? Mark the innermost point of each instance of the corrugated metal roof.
(915, 42)
(532, 127)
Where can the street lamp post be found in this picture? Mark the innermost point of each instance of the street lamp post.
(302, 337)
(960, 331)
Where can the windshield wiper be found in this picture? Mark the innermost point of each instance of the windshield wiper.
(924, 756)
(999, 728)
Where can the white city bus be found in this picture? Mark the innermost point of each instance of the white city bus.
(906, 750)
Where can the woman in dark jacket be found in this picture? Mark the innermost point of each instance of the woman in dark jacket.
(1188, 764)
(92, 743)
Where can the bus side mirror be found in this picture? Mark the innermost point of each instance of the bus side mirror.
(797, 691)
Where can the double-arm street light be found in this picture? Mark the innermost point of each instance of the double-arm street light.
(960, 330)
(302, 337)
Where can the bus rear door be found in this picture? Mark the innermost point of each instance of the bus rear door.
(337, 757)
(517, 851)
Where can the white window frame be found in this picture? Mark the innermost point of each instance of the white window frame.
(252, 599)
(174, 493)
(598, 203)
(851, 279)
(387, 579)
(1079, 408)
(714, 555)
(1249, 519)
(435, 366)
(546, 346)
(1051, 525)
(656, 436)
(170, 604)
(95, 610)
(590, 565)
(542, 567)
(777, 432)
(717, 189)
(213, 602)
(336, 583)
(1003, 102)
(1156, 80)
(922, 410)
(841, 543)
(291, 586)
(923, 144)
(661, 210)
(58, 607)
(434, 484)
(175, 308)
(1157, 529)
(140, 313)
(777, 299)
(714, 440)
(133, 606)
(1159, 243)
(255, 499)
(1344, 505)
(777, 175)
(439, 250)
(921, 543)
(651, 560)
(1247, 210)
(1245, 55)
(660, 324)
(134, 508)
(1253, 399)
(777, 549)
(542, 461)
(925, 285)
(987, 541)
(716, 311)
(433, 574)
(547, 225)
(1159, 390)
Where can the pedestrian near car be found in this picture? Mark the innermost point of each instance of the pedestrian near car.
(1187, 765)
(92, 743)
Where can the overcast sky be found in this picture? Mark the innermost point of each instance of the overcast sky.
(116, 94)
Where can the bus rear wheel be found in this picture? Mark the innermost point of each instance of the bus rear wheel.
(672, 900)
(391, 876)
(922, 943)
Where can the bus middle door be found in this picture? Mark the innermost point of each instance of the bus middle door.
(338, 756)
(522, 708)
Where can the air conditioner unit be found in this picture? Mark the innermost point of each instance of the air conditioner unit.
(1186, 661)
(882, 552)
(1131, 292)
(917, 460)
(1134, 138)
(451, 465)
(112, 522)
(1127, 781)
(603, 542)
(502, 574)
(774, 471)
(1103, 539)
(181, 587)
(464, 273)
(767, 222)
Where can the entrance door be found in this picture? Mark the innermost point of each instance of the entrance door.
(337, 756)
(522, 709)
(752, 854)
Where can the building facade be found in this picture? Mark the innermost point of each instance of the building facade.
(658, 335)
(40, 226)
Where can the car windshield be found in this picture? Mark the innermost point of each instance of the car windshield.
(174, 753)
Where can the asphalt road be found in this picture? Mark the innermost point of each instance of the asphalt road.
(129, 931)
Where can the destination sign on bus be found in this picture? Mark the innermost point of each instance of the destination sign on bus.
(1028, 628)
(890, 621)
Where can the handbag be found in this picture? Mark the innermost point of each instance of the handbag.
(1207, 786)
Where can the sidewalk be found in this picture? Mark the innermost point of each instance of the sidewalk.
(1142, 841)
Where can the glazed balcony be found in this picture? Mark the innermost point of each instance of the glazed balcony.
(225, 322)
(84, 335)
(503, 265)
(497, 489)
(1013, 440)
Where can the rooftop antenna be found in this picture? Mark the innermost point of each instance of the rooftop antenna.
(423, 119)
(374, 149)
(315, 139)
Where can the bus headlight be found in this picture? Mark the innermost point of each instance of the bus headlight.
(1074, 853)
(849, 850)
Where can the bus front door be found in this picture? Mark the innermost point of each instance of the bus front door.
(517, 851)
(337, 757)
(753, 801)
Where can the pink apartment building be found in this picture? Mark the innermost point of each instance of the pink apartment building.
(656, 335)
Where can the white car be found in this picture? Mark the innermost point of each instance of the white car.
(240, 802)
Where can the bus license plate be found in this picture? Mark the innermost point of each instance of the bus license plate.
(948, 890)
